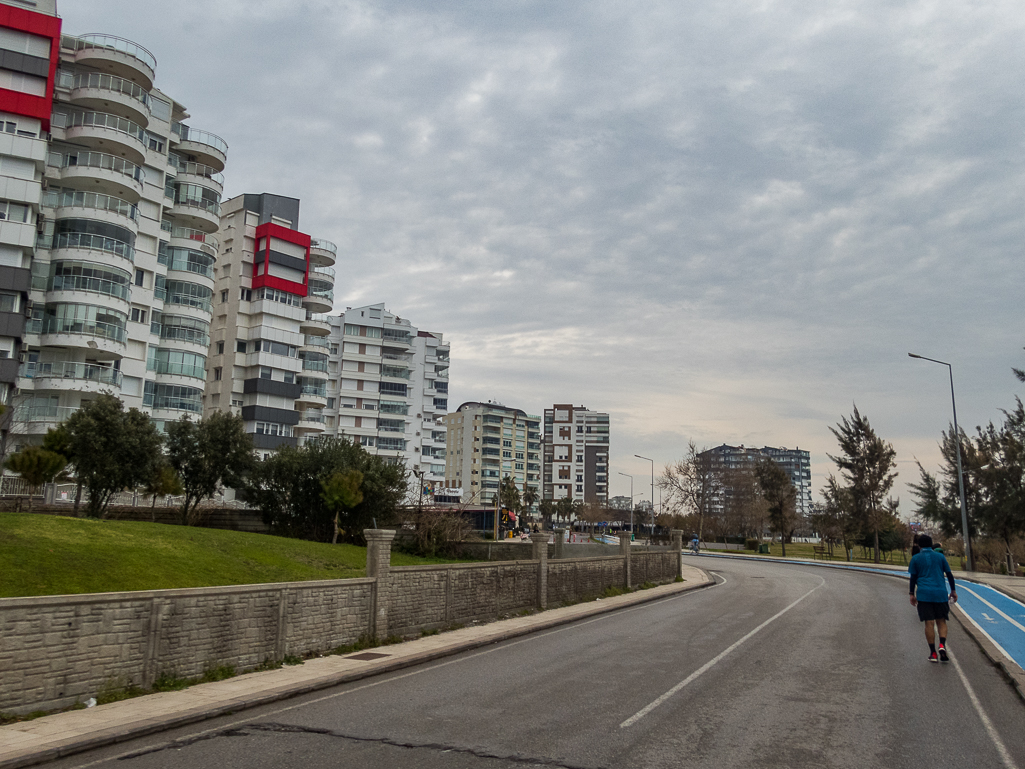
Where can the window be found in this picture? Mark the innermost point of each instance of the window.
(507, 444)
(247, 295)
(330, 403)
(217, 374)
(140, 276)
(224, 297)
(220, 348)
(236, 402)
(266, 372)
(9, 302)
(138, 315)
(289, 378)
(334, 349)
(13, 212)
(240, 345)
(274, 295)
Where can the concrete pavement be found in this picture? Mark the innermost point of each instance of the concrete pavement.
(51, 737)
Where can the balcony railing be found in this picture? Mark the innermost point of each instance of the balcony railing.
(324, 245)
(188, 233)
(315, 365)
(84, 327)
(110, 43)
(316, 269)
(94, 243)
(69, 370)
(189, 134)
(106, 120)
(45, 413)
(111, 83)
(99, 160)
(315, 341)
(95, 200)
(196, 169)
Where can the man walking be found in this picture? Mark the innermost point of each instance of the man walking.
(927, 570)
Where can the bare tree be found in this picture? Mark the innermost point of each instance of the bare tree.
(692, 485)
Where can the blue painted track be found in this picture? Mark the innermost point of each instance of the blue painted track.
(996, 614)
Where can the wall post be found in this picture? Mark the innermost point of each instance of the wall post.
(378, 567)
(560, 540)
(624, 550)
(539, 542)
(678, 549)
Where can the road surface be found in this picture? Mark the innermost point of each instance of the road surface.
(775, 666)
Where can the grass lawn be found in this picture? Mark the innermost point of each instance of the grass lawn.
(52, 555)
(804, 551)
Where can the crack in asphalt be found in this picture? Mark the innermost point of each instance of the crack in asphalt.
(250, 729)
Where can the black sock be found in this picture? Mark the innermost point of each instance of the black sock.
(932, 648)
(943, 641)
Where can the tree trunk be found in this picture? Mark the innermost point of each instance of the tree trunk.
(78, 496)
(783, 543)
(876, 534)
(334, 539)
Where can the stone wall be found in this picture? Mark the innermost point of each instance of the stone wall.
(56, 650)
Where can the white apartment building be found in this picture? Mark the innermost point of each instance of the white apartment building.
(576, 464)
(486, 443)
(389, 388)
(796, 463)
(109, 204)
(268, 356)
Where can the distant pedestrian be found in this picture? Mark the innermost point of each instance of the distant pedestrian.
(929, 595)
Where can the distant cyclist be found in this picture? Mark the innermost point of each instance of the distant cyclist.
(929, 595)
(695, 544)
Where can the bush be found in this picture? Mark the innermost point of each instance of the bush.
(751, 544)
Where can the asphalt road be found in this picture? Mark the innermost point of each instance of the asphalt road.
(776, 666)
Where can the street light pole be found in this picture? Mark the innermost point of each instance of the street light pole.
(631, 504)
(960, 472)
(652, 494)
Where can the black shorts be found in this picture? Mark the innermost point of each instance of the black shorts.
(933, 610)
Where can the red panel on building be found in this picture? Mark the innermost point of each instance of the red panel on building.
(261, 259)
(33, 23)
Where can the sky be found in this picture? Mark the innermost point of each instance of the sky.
(720, 222)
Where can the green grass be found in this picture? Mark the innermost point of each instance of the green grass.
(53, 555)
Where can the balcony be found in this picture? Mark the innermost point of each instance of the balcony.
(93, 205)
(83, 241)
(104, 132)
(82, 377)
(114, 55)
(311, 422)
(208, 148)
(98, 91)
(105, 340)
(99, 172)
(323, 252)
(315, 325)
(318, 300)
(203, 215)
(313, 343)
(321, 277)
(312, 397)
(400, 340)
(197, 173)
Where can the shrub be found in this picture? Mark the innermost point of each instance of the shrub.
(751, 544)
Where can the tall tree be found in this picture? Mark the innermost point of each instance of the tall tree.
(509, 495)
(164, 482)
(838, 520)
(547, 508)
(780, 495)
(36, 465)
(693, 484)
(341, 491)
(1002, 478)
(58, 440)
(205, 454)
(529, 498)
(866, 463)
(114, 449)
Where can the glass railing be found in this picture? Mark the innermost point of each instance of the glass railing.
(198, 169)
(45, 413)
(320, 392)
(315, 341)
(316, 269)
(323, 294)
(96, 285)
(306, 416)
(189, 134)
(69, 370)
(112, 83)
(106, 120)
(188, 233)
(85, 327)
(394, 408)
(180, 369)
(324, 245)
(99, 160)
(395, 373)
(184, 264)
(78, 199)
(394, 337)
(405, 359)
(315, 365)
(94, 243)
(207, 205)
(110, 43)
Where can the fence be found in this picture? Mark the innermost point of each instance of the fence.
(58, 650)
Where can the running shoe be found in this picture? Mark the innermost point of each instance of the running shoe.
(933, 657)
(943, 654)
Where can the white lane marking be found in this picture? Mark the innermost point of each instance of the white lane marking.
(713, 662)
(504, 645)
(1013, 621)
(987, 617)
(1005, 757)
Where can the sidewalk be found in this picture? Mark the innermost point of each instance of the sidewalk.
(62, 734)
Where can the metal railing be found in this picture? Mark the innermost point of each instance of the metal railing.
(309, 340)
(198, 169)
(52, 325)
(316, 269)
(110, 43)
(95, 285)
(188, 233)
(315, 365)
(96, 200)
(324, 245)
(189, 134)
(99, 160)
(106, 120)
(323, 294)
(93, 243)
(89, 372)
(112, 83)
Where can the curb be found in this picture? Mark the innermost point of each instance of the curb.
(560, 616)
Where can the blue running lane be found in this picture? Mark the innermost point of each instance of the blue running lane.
(996, 614)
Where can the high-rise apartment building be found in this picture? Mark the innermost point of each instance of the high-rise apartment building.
(486, 443)
(109, 203)
(796, 463)
(389, 388)
(268, 357)
(576, 464)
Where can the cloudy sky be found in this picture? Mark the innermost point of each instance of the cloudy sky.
(726, 222)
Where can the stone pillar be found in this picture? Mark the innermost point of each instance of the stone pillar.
(678, 549)
(624, 550)
(539, 542)
(560, 540)
(378, 566)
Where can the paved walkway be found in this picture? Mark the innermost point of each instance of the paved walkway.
(50, 737)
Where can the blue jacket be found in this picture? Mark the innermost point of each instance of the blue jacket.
(927, 570)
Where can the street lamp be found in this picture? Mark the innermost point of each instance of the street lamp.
(652, 494)
(631, 504)
(960, 474)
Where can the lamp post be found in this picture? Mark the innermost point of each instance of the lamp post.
(631, 504)
(960, 473)
(652, 494)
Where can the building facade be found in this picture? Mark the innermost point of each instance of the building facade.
(388, 385)
(268, 348)
(110, 203)
(486, 443)
(576, 457)
(796, 463)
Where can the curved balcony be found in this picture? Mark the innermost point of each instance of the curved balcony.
(318, 299)
(76, 204)
(110, 93)
(322, 278)
(114, 55)
(199, 215)
(315, 325)
(314, 343)
(77, 282)
(208, 148)
(311, 423)
(39, 419)
(401, 341)
(323, 252)
(66, 375)
(187, 237)
(312, 398)
(100, 172)
(104, 132)
(101, 331)
(198, 173)
(81, 245)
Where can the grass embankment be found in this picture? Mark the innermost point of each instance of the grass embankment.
(804, 551)
(52, 555)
